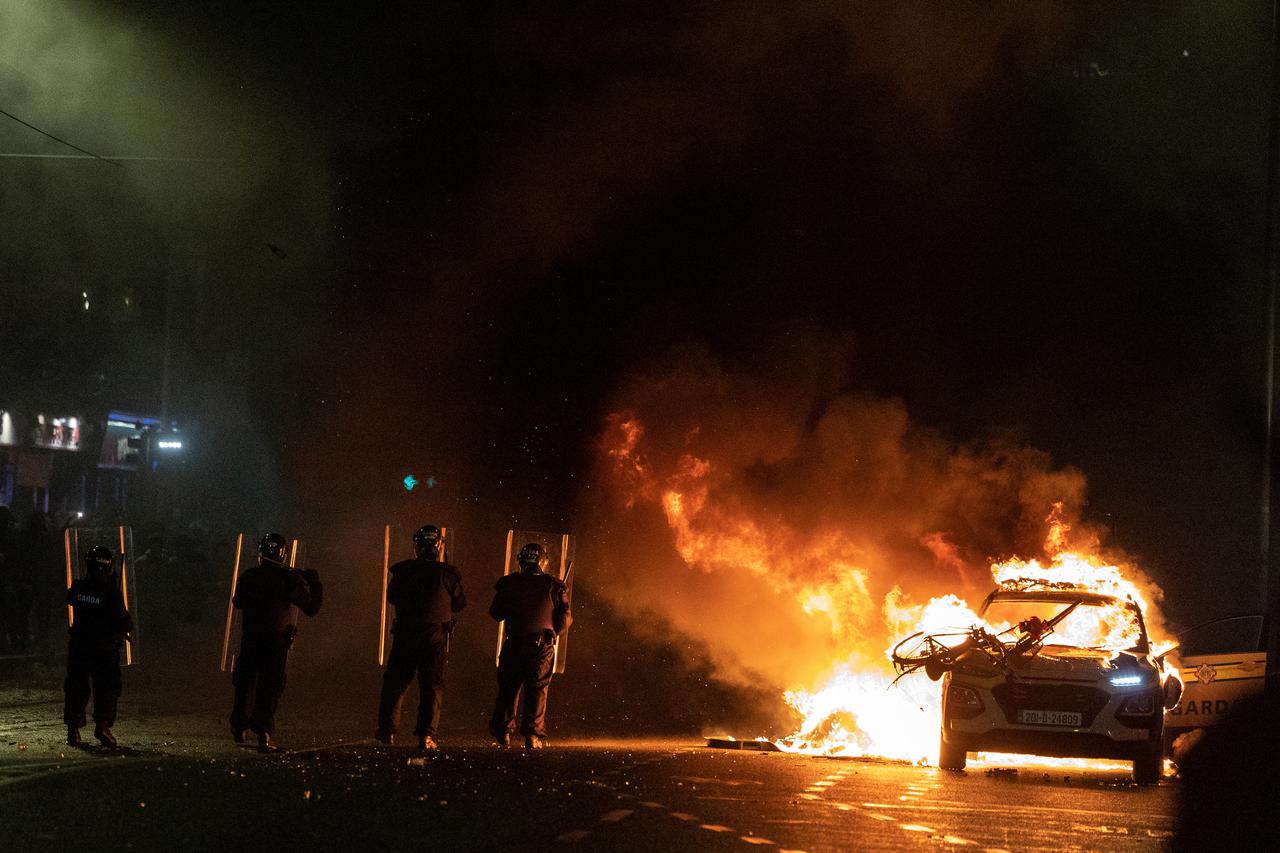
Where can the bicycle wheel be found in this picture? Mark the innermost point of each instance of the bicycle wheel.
(916, 650)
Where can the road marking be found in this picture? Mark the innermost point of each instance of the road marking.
(824, 783)
(715, 827)
(915, 827)
(874, 816)
(615, 815)
(683, 816)
(959, 842)
(1100, 830)
(575, 835)
(1004, 810)
(844, 807)
(755, 839)
(649, 805)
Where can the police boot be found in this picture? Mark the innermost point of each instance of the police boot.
(427, 743)
(237, 734)
(104, 736)
(73, 735)
(389, 738)
(535, 742)
(265, 744)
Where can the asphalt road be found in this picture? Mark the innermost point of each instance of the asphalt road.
(181, 785)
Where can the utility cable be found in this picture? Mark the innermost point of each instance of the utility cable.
(55, 138)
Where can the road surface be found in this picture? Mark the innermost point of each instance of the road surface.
(181, 785)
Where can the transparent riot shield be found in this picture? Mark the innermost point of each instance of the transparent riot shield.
(233, 616)
(76, 541)
(397, 545)
(231, 631)
(560, 549)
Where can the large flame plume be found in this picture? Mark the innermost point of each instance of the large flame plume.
(838, 518)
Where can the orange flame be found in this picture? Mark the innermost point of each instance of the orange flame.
(855, 709)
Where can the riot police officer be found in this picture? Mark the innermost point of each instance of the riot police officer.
(535, 608)
(427, 594)
(267, 593)
(100, 625)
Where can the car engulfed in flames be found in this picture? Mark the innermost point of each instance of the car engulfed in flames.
(849, 536)
(1089, 687)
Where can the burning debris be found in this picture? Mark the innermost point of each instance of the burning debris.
(758, 745)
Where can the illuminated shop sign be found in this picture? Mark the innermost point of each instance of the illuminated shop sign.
(56, 433)
(8, 435)
(133, 441)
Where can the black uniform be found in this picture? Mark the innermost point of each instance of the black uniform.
(100, 623)
(426, 594)
(535, 607)
(267, 593)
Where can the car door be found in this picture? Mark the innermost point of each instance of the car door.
(1220, 663)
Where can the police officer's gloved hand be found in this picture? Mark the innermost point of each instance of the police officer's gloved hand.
(548, 636)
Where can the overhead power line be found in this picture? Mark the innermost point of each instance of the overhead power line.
(56, 138)
(114, 159)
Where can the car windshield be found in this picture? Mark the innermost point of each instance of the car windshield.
(1109, 624)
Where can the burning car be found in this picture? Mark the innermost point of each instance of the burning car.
(1056, 671)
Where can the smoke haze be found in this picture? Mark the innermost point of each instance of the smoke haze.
(799, 506)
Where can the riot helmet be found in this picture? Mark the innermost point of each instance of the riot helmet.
(98, 560)
(533, 558)
(428, 542)
(274, 549)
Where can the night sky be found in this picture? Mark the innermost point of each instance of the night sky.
(1042, 221)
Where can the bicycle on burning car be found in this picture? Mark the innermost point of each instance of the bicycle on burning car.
(974, 648)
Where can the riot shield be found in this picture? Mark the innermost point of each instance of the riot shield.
(397, 545)
(560, 549)
(76, 541)
(233, 626)
(233, 617)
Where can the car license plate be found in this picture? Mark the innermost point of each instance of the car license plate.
(1049, 718)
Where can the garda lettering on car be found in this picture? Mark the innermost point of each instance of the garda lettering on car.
(1213, 688)
(87, 599)
(1203, 708)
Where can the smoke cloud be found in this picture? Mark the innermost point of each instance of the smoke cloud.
(775, 511)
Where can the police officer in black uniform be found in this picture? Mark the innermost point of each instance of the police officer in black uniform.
(100, 625)
(267, 593)
(535, 607)
(427, 594)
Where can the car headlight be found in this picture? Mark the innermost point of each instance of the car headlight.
(1128, 680)
(963, 702)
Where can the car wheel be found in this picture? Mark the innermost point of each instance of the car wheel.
(1148, 765)
(950, 756)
